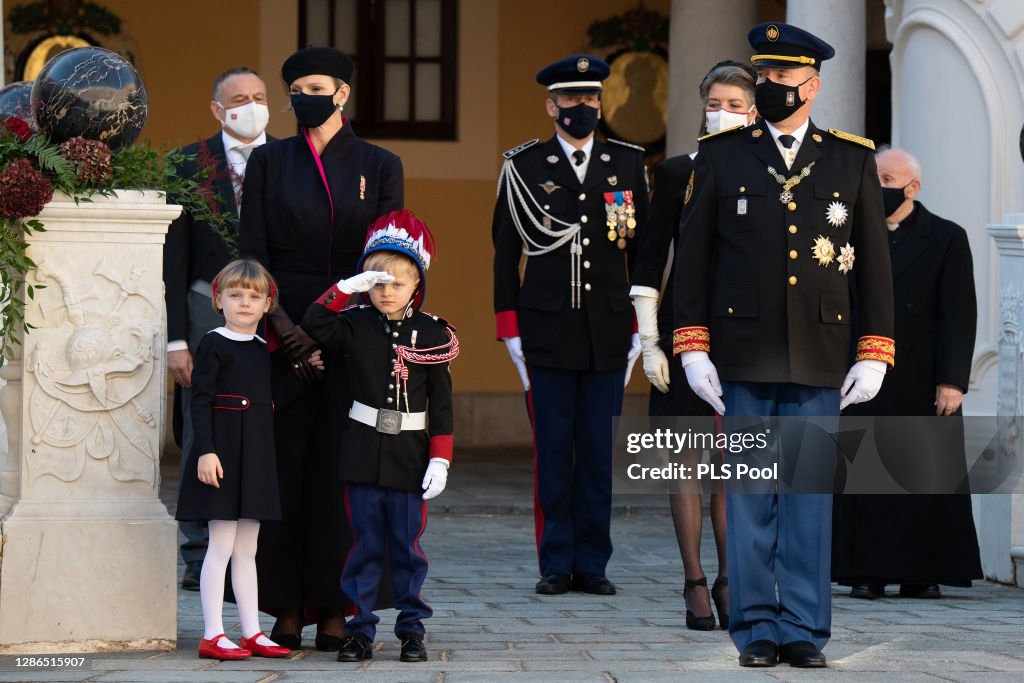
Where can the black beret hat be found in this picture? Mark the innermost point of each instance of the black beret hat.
(785, 46)
(579, 73)
(320, 61)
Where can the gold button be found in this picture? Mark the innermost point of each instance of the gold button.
(839, 316)
(587, 286)
(730, 310)
(743, 189)
(586, 241)
(583, 196)
(792, 254)
(586, 264)
(792, 206)
(834, 194)
(792, 279)
(792, 230)
(583, 219)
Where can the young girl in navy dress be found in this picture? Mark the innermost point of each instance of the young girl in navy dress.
(393, 458)
(235, 486)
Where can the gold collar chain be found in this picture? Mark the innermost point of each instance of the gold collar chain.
(789, 183)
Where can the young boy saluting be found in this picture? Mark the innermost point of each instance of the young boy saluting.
(391, 461)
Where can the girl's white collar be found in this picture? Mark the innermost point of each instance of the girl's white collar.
(236, 336)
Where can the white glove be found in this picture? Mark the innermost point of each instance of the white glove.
(862, 382)
(631, 356)
(703, 378)
(435, 478)
(655, 363)
(364, 282)
(515, 350)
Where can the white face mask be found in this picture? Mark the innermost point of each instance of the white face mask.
(247, 120)
(724, 119)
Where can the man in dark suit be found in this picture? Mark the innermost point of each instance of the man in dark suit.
(194, 253)
(778, 217)
(572, 206)
(918, 541)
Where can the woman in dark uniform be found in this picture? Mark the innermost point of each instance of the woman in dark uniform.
(307, 203)
(728, 95)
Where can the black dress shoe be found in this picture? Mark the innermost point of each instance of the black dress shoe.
(412, 648)
(595, 584)
(868, 591)
(288, 640)
(802, 654)
(694, 622)
(760, 653)
(190, 579)
(325, 642)
(926, 591)
(553, 584)
(356, 648)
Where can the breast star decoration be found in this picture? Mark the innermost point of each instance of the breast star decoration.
(823, 251)
(846, 259)
(836, 214)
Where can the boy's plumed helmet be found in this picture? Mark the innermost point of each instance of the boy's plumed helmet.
(402, 232)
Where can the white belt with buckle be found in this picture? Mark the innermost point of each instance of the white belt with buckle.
(387, 421)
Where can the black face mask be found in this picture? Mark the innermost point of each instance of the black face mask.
(777, 102)
(579, 121)
(312, 111)
(893, 198)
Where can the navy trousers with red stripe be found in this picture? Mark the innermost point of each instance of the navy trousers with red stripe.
(385, 523)
(571, 412)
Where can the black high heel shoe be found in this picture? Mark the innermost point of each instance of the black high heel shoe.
(721, 584)
(693, 622)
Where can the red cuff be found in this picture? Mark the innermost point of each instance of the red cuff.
(876, 348)
(636, 325)
(333, 299)
(441, 446)
(691, 339)
(508, 324)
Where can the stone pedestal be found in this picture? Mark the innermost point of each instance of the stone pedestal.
(1001, 517)
(89, 550)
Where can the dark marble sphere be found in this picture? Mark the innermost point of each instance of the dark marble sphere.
(16, 101)
(91, 92)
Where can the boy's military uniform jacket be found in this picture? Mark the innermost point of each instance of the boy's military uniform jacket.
(763, 279)
(368, 340)
(571, 306)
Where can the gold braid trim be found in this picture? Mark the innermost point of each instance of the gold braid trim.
(691, 339)
(876, 348)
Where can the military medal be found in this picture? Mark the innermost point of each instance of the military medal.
(549, 186)
(845, 259)
(613, 180)
(630, 214)
(788, 184)
(823, 251)
(362, 187)
(836, 214)
(605, 158)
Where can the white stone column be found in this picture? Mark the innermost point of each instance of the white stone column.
(1001, 517)
(701, 34)
(843, 25)
(89, 551)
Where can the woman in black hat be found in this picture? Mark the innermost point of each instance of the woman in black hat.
(307, 202)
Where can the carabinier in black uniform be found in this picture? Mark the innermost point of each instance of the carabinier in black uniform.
(572, 205)
(762, 294)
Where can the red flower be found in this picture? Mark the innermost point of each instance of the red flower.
(18, 128)
(23, 190)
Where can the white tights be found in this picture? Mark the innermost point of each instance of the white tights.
(234, 541)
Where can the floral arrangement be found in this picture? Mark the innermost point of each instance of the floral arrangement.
(32, 167)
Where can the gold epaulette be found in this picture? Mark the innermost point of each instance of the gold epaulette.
(508, 154)
(702, 138)
(850, 137)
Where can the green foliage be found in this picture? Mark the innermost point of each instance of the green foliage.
(134, 168)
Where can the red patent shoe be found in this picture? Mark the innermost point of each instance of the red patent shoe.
(211, 650)
(258, 650)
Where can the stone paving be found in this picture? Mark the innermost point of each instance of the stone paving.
(489, 626)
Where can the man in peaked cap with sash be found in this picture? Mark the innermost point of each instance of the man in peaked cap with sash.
(779, 218)
(572, 205)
